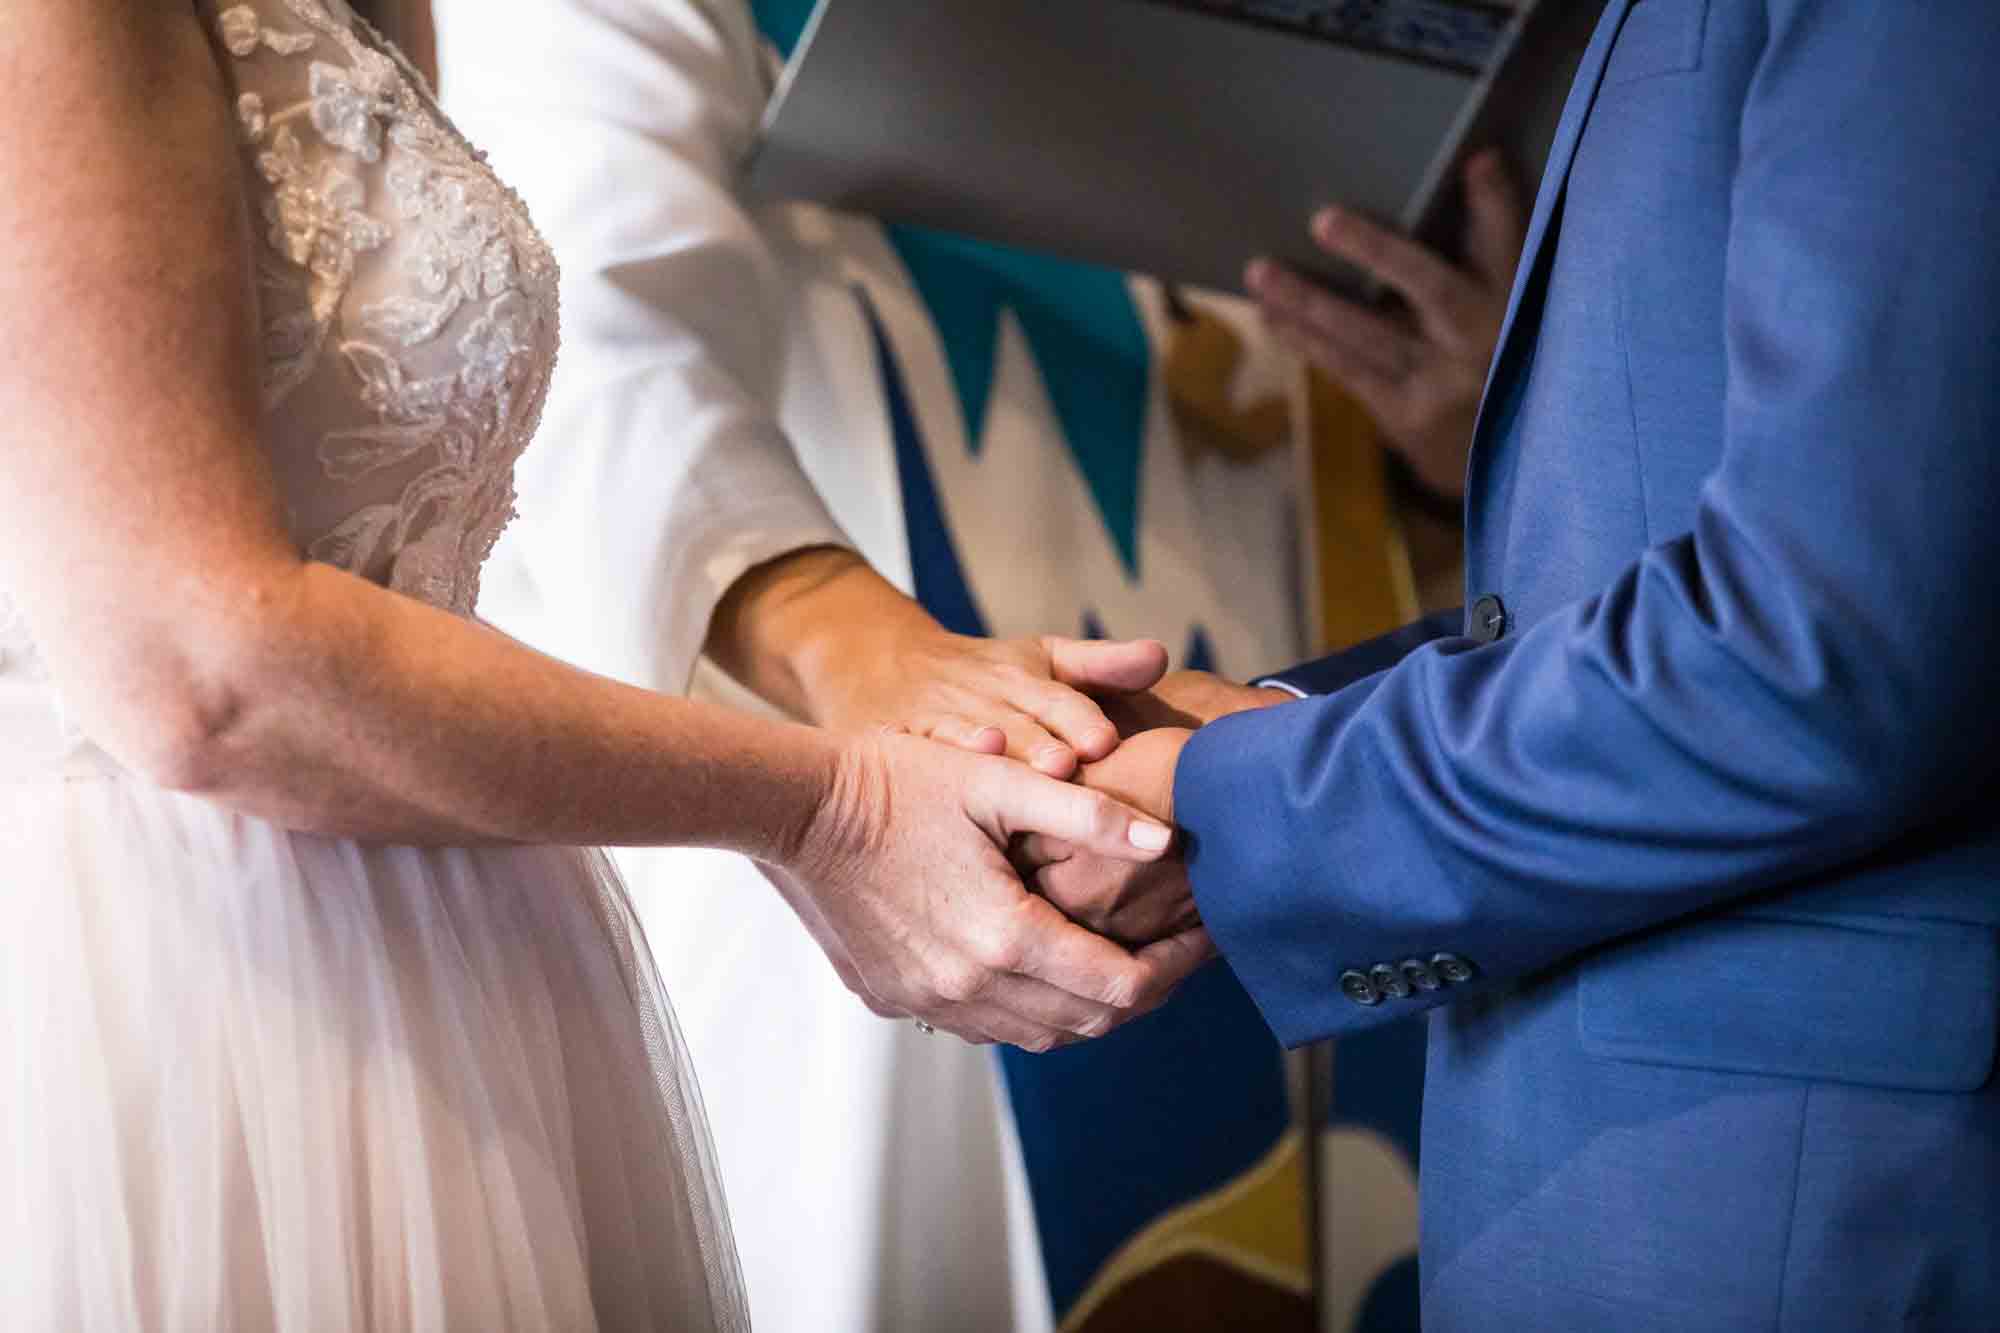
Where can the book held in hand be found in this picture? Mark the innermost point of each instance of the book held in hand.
(1178, 138)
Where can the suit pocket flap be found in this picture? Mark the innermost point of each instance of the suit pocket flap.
(1870, 1000)
(1658, 37)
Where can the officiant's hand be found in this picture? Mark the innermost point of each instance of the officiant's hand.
(904, 880)
(1418, 371)
(823, 636)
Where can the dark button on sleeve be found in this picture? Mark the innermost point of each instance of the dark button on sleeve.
(1486, 620)
(1451, 969)
(1389, 982)
(1357, 987)
(1418, 973)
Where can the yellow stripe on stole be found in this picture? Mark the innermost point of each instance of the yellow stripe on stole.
(1252, 1229)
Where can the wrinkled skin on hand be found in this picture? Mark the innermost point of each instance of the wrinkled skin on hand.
(904, 881)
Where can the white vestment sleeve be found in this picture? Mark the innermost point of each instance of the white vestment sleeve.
(660, 474)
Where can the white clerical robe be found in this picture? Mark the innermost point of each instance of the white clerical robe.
(721, 400)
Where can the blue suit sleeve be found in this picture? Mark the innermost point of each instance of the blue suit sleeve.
(1801, 679)
(1342, 669)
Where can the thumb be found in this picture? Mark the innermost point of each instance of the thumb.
(1008, 800)
(1496, 220)
(1089, 665)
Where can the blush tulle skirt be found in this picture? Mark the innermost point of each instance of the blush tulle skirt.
(253, 1080)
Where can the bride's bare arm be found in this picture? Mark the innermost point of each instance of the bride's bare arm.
(145, 542)
(146, 539)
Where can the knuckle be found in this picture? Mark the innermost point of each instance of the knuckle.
(1001, 951)
(959, 983)
(1122, 992)
(1095, 1026)
(1041, 1043)
(1100, 812)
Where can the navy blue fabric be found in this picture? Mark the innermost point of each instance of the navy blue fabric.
(1119, 1131)
(1717, 822)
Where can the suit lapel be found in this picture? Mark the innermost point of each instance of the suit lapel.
(1532, 273)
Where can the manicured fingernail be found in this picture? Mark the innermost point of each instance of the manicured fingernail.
(1150, 837)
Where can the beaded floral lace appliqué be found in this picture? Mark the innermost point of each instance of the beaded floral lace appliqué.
(471, 268)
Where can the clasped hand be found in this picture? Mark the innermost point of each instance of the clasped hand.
(1134, 904)
(905, 879)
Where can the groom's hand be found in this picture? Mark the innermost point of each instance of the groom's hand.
(1130, 904)
(1189, 699)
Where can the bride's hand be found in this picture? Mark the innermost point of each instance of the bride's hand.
(903, 878)
(822, 635)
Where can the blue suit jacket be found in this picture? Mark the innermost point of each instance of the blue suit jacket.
(1703, 812)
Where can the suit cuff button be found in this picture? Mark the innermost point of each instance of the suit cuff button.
(1389, 981)
(1357, 987)
(1419, 974)
(1451, 969)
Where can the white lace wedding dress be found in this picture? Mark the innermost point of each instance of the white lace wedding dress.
(251, 1079)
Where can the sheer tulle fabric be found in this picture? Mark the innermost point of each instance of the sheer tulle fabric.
(252, 1079)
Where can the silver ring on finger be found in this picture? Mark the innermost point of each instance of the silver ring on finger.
(926, 1028)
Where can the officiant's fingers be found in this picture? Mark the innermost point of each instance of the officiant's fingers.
(1442, 297)
(1381, 395)
(1496, 219)
(1007, 800)
(1367, 335)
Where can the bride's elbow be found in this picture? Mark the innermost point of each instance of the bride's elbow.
(185, 735)
(197, 707)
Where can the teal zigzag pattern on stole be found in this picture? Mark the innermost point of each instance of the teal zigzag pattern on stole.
(1084, 332)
